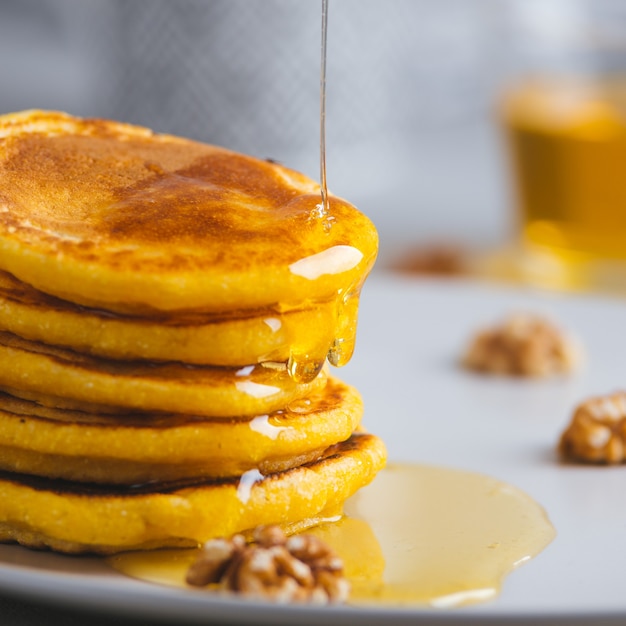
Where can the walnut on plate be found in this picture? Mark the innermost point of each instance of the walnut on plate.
(439, 259)
(523, 344)
(597, 431)
(300, 568)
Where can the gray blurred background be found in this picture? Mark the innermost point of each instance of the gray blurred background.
(412, 84)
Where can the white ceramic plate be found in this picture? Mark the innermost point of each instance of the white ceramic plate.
(428, 410)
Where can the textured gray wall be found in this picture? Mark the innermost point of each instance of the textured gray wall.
(411, 87)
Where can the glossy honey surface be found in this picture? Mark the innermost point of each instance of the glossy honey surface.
(418, 535)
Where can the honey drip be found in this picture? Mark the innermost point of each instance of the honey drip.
(332, 338)
(303, 368)
(342, 347)
(417, 536)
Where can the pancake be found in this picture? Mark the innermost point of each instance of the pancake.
(233, 339)
(114, 216)
(221, 393)
(166, 311)
(72, 406)
(86, 447)
(71, 518)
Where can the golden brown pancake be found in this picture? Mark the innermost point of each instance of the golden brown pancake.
(71, 518)
(221, 339)
(166, 309)
(131, 449)
(111, 215)
(220, 393)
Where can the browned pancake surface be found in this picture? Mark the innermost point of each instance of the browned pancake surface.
(104, 213)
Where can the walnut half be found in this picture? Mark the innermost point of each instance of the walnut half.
(522, 345)
(300, 568)
(597, 431)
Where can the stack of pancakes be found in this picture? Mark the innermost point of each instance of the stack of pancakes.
(166, 310)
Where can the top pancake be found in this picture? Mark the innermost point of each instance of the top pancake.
(115, 216)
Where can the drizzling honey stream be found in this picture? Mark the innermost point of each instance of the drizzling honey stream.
(324, 187)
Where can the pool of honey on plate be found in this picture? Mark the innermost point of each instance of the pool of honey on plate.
(418, 535)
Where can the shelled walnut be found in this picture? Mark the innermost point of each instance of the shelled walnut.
(597, 431)
(300, 568)
(437, 259)
(522, 345)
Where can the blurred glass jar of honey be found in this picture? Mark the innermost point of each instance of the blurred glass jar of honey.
(565, 123)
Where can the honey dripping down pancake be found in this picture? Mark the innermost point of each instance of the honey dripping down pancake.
(224, 339)
(174, 387)
(166, 311)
